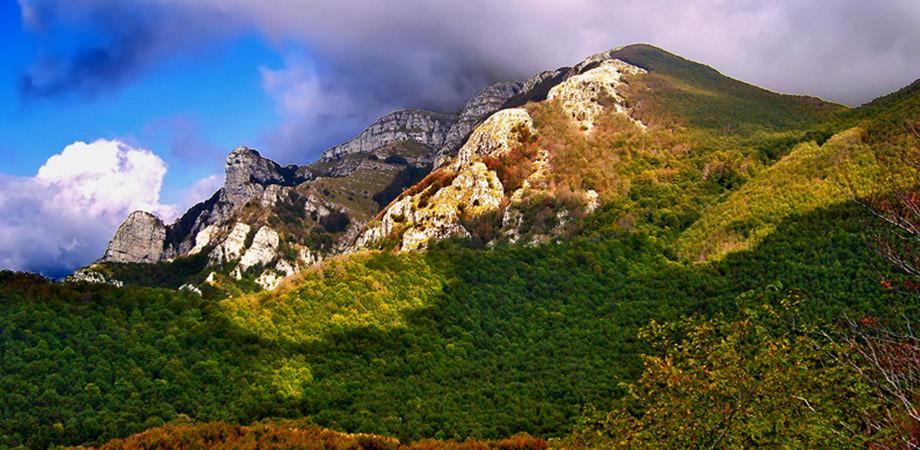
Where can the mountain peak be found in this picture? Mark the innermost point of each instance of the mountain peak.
(138, 239)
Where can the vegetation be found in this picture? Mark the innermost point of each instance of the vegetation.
(453, 343)
(300, 434)
(762, 380)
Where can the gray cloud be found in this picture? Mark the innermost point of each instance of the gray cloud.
(368, 56)
(186, 143)
(122, 40)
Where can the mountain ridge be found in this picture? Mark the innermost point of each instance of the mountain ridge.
(339, 216)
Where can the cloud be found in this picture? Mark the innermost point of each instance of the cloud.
(116, 42)
(315, 113)
(182, 133)
(201, 190)
(63, 217)
(367, 56)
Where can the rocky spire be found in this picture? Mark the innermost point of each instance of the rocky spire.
(140, 238)
(247, 172)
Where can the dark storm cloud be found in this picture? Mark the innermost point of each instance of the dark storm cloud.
(115, 41)
(88, 70)
(366, 57)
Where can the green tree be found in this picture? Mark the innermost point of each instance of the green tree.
(762, 380)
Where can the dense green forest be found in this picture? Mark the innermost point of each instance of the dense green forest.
(752, 195)
(452, 343)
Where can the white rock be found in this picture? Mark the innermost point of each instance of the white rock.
(582, 96)
(233, 246)
(593, 201)
(269, 280)
(88, 275)
(305, 257)
(139, 239)
(285, 268)
(203, 239)
(495, 137)
(262, 250)
(190, 288)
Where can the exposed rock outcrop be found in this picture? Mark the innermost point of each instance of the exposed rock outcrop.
(478, 108)
(140, 238)
(442, 133)
(247, 175)
(587, 95)
(436, 211)
(445, 209)
(233, 246)
(425, 127)
(91, 275)
(284, 218)
(263, 249)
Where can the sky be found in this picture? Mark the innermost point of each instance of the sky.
(108, 106)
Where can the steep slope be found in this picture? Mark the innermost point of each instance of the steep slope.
(442, 133)
(863, 161)
(613, 122)
(269, 222)
(500, 180)
(697, 95)
(808, 178)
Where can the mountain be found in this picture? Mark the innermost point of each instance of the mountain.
(498, 178)
(268, 222)
(623, 227)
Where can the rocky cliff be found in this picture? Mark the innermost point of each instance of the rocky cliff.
(269, 221)
(140, 238)
(424, 127)
(489, 187)
(442, 133)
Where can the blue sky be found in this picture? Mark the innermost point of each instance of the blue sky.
(161, 90)
(212, 97)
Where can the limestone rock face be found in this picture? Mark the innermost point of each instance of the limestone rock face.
(355, 179)
(91, 275)
(490, 99)
(587, 95)
(247, 173)
(203, 239)
(477, 109)
(443, 133)
(424, 127)
(436, 212)
(263, 249)
(233, 246)
(495, 137)
(139, 239)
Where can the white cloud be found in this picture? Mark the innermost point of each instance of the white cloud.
(63, 217)
(201, 190)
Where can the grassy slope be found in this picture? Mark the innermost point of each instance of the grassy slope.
(810, 177)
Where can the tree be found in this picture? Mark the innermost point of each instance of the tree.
(898, 243)
(761, 380)
(889, 358)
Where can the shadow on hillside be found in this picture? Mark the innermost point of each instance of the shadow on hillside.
(520, 339)
(517, 340)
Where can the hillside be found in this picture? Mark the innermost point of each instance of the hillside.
(501, 293)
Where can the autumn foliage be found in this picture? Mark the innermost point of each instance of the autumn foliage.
(299, 434)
